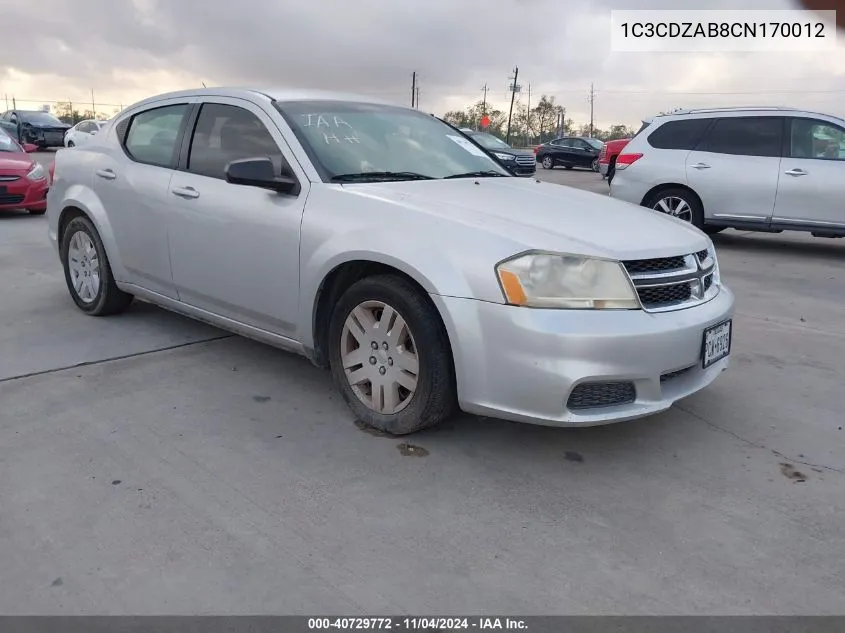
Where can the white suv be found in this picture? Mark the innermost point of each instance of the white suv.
(758, 169)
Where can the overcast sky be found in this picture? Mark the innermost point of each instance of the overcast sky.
(129, 49)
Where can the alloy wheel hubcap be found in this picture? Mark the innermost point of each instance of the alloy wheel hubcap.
(84, 265)
(676, 207)
(547, 162)
(379, 357)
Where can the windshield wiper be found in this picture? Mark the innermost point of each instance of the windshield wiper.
(377, 176)
(477, 174)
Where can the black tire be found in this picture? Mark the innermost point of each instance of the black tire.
(595, 165)
(548, 162)
(37, 211)
(435, 397)
(611, 170)
(697, 211)
(567, 166)
(71, 144)
(109, 299)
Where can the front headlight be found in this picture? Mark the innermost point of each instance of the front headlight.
(501, 156)
(551, 280)
(37, 172)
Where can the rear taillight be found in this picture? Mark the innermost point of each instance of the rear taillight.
(624, 160)
(536, 148)
(603, 152)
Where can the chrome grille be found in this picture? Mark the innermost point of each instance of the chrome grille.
(674, 283)
(525, 160)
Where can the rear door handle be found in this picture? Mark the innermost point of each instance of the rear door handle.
(186, 192)
(108, 174)
(796, 172)
(700, 166)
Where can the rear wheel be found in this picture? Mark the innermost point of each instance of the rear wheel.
(679, 203)
(87, 272)
(390, 356)
(71, 144)
(548, 162)
(595, 165)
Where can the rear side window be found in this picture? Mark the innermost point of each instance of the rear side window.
(744, 136)
(680, 134)
(153, 135)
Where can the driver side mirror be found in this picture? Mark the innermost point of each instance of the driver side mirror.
(260, 172)
(29, 148)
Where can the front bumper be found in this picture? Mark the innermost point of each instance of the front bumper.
(24, 194)
(603, 168)
(522, 364)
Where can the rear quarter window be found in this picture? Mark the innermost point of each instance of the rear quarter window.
(683, 134)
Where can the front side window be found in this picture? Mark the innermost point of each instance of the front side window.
(224, 133)
(811, 138)
(594, 142)
(349, 141)
(744, 136)
(153, 135)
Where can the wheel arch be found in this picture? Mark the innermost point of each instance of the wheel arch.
(671, 185)
(339, 279)
(82, 202)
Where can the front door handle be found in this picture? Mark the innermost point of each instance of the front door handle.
(796, 172)
(700, 166)
(186, 192)
(108, 174)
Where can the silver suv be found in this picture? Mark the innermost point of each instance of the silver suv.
(754, 168)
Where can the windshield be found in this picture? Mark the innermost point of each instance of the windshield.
(344, 138)
(41, 118)
(489, 141)
(594, 142)
(7, 144)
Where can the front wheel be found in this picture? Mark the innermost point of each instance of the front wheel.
(87, 272)
(548, 162)
(679, 203)
(390, 356)
(595, 165)
(71, 144)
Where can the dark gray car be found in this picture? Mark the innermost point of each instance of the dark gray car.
(519, 162)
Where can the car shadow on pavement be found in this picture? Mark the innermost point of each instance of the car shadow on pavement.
(777, 243)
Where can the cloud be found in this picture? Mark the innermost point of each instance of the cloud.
(133, 48)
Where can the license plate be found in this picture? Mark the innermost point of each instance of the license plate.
(716, 344)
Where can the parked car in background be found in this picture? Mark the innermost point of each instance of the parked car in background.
(82, 132)
(23, 182)
(569, 152)
(39, 128)
(766, 169)
(519, 162)
(389, 248)
(608, 155)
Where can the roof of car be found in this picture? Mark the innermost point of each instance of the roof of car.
(277, 94)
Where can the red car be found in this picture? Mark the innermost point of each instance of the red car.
(23, 182)
(608, 155)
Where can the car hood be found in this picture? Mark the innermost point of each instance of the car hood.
(15, 162)
(513, 150)
(545, 216)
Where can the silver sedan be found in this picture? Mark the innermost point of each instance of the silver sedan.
(385, 245)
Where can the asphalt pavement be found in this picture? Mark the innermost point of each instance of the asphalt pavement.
(153, 465)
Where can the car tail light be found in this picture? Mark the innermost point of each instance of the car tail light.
(603, 152)
(624, 160)
(536, 148)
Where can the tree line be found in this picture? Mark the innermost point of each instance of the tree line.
(540, 124)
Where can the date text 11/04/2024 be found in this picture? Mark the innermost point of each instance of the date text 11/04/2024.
(723, 29)
(418, 623)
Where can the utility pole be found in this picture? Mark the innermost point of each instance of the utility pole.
(528, 116)
(93, 107)
(484, 100)
(7, 101)
(514, 89)
(14, 105)
(592, 103)
(413, 88)
(418, 97)
(563, 123)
